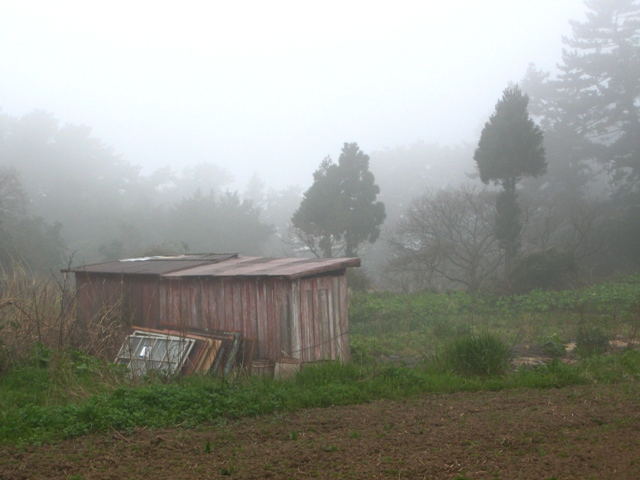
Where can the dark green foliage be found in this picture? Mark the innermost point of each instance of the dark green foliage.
(510, 147)
(24, 239)
(614, 367)
(569, 154)
(193, 401)
(482, 355)
(546, 270)
(339, 211)
(508, 223)
(553, 345)
(591, 341)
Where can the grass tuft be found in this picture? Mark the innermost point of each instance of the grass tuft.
(475, 355)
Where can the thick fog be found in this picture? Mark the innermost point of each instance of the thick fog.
(271, 87)
(452, 145)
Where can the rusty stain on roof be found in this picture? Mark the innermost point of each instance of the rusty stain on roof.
(220, 265)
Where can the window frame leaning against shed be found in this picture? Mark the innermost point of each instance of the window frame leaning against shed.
(143, 352)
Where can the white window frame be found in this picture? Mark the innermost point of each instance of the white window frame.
(143, 352)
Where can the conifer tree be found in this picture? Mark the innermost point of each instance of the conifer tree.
(339, 211)
(510, 147)
(600, 80)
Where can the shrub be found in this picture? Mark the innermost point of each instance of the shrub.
(358, 280)
(591, 341)
(553, 345)
(482, 355)
(545, 270)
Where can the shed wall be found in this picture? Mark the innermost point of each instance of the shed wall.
(135, 299)
(304, 318)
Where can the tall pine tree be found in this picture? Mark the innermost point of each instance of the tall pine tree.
(510, 147)
(600, 78)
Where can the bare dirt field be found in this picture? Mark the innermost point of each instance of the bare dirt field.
(577, 432)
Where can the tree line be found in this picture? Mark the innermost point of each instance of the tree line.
(565, 152)
(549, 194)
(64, 194)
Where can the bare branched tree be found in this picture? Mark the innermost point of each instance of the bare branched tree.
(576, 227)
(303, 243)
(446, 239)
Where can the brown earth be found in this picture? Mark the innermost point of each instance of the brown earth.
(578, 432)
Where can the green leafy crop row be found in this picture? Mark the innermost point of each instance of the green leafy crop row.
(620, 296)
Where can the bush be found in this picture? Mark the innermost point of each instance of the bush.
(358, 280)
(591, 341)
(480, 355)
(553, 345)
(548, 270)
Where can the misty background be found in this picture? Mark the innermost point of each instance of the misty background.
(271, 88)
(141, 128)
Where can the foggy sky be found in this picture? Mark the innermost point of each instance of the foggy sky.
(271, 87)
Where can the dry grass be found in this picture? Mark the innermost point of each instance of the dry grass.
(37, 314)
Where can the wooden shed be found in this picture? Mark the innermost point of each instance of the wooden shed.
(295, 307)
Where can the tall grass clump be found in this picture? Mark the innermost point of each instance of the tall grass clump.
(38, 321)
(35, 317)
(481, 354)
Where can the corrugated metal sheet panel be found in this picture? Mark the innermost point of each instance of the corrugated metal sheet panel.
(221, 265)
(154, 265)
(290, 268)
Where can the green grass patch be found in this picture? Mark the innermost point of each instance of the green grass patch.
(420, 324)
(25, 418)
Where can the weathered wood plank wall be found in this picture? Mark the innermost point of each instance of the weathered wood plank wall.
(303, 318)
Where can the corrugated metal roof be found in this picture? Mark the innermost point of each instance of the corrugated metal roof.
(159, 265)
(269, 267)
(222, 265)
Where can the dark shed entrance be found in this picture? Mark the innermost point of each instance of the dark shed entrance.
(291, 306)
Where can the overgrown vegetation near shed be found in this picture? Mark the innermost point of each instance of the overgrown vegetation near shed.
(53, 387)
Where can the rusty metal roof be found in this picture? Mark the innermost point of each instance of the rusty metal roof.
(268, 267)
(221, 265)
(158, 265)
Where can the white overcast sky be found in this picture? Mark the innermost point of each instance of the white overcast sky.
(271, 87)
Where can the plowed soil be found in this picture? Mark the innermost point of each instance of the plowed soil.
(577, 432)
